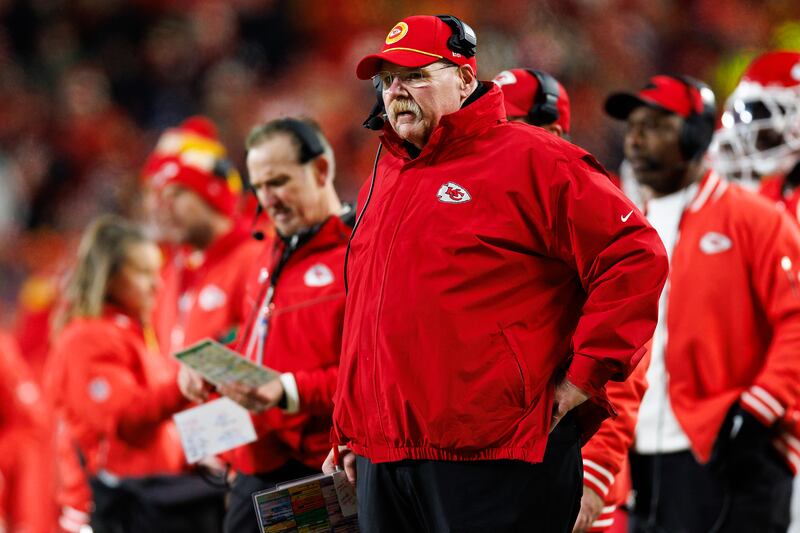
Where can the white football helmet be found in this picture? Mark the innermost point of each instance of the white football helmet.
(760, 132)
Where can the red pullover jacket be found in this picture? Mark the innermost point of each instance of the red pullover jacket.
(481, 272)
(735, 248)
(202, 292)
(117, 396)
(304, 337)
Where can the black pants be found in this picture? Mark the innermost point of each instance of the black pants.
(676, 494)
(475, 496)
(241, 514)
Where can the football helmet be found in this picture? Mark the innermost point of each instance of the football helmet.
(760, 132)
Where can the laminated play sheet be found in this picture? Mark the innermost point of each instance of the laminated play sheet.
(316, 504)
(219, 364)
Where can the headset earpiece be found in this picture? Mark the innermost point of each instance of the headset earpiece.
(464, 41)
(698, 128)
(310, 144)
(544, 109)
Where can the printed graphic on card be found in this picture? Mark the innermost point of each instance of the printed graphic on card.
(214, 427)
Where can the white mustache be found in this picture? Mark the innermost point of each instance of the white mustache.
(404, 105)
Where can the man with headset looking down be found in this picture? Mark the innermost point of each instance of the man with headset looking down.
(496, 281)
(712, 450)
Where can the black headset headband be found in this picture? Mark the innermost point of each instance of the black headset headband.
(310, 144)
(704, 94)
(544, 109)
(698, 127)
(464, 40)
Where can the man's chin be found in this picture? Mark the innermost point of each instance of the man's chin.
(409, 131)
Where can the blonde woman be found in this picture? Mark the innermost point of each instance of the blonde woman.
(117, 393)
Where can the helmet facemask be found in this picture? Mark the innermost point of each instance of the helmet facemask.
(760, 134)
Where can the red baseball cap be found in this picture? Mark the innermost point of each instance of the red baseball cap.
(415, 42)
(520, 90)
(663, 92)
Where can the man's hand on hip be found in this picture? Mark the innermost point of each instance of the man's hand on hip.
(567, 397)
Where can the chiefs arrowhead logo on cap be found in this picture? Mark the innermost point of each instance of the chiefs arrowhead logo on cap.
(398, 32)
(453, 193)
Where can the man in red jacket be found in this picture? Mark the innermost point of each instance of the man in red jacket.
(759, 143)
(295, 308)
(497, 280)
(714, 442)
(537, 98)
(204, 280)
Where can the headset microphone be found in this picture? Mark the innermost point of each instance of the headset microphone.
(258, 234)
(375, 121)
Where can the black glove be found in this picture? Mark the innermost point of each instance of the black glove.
(742, 444)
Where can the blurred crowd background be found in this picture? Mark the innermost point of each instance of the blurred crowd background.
(86, 86)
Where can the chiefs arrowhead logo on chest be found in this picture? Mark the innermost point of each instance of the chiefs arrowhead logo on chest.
(453, 193)
(318, 275)
(714, 243)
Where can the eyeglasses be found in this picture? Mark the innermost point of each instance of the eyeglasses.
(414, 78)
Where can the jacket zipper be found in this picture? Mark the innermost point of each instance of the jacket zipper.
(380, 300)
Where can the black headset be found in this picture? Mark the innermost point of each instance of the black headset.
(698, 127)
(310, 143)
(463, 41)
(544, 109)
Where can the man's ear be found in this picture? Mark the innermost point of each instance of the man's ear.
(321, 167)
(555, 129)
(468, 79)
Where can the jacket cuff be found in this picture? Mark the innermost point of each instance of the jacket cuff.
(291, 393)
(597, 477)
(588, 374)
(761, 404)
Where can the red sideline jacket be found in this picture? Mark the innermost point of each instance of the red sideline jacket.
(117, 396)
(25, 503)
(304, 338)
(498, 259)
(736, 248)
(202, 292)
(772, 187)
(605, 456)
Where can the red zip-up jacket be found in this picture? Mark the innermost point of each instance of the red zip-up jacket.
(605, 456)
(117, 396)
(304, 337)
(482, 271)
(733, 316)
(202, 291)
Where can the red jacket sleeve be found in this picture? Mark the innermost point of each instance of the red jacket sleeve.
(776, 278)
(606, 452)
(102, 385)
(622, 266)
(316, 388)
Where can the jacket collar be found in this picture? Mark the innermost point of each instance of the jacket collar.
(331, 233)
(464, 124)
(711, 188)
